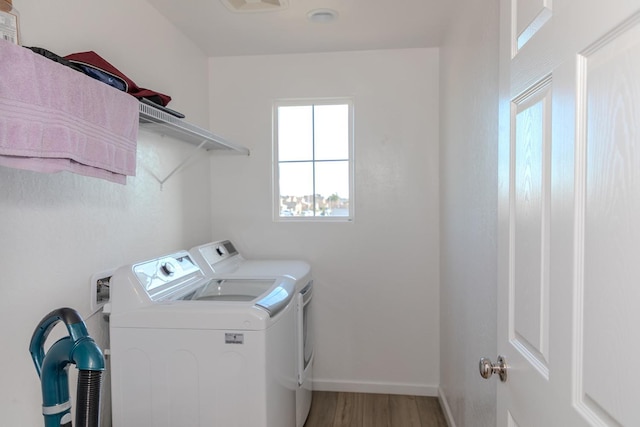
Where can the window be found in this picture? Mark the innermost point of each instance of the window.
(313, 160)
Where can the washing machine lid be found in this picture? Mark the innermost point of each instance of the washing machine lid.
(271, 295)
(177, 277)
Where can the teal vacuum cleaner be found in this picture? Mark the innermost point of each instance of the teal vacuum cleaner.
(77, 348)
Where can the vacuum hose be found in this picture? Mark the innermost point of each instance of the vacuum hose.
(88, 398)
(77, 348)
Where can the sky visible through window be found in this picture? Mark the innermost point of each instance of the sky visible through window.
(313, 158)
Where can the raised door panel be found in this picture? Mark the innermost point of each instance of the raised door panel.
(608, 343)
(529, 16)
(529, 329)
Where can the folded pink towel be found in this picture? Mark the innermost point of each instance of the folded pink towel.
(53, 118)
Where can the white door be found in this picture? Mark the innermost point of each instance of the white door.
(569, 213)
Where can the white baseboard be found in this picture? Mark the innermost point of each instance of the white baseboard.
(445, 408)
(374, 387)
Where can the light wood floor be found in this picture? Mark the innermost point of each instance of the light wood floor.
(337, 409)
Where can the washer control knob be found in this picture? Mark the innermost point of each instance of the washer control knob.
(167, 269)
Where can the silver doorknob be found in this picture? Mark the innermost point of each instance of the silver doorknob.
(487, 368)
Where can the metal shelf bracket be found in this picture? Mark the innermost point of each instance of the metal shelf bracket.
(163, 123)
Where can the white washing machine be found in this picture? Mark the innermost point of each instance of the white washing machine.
(222, 258)
(191, 350)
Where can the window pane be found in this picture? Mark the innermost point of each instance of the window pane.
(295, 133)
(331, 132)
(296, 189)
(332, 188)
(312, 157)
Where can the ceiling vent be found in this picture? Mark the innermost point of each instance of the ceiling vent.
(255, 5)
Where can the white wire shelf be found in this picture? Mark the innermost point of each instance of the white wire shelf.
(158, 121)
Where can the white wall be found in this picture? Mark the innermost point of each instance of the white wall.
(468, 210)
(57, 230)
(376, 279)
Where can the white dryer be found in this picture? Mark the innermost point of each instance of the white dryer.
(221, 258)
(191, 350)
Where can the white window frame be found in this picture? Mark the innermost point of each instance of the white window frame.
(275, 162)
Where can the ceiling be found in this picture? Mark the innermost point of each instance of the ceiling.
(360, 25)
